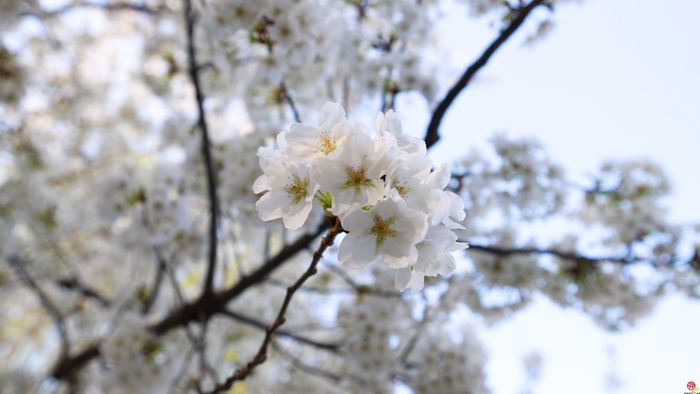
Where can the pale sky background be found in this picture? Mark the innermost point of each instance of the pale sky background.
(615, 79)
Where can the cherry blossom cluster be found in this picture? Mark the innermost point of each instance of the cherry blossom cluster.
(380, 185)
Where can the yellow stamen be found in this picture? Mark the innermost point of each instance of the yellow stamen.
(356, 178)
(327, 144)
(298, 189)
(382, 229)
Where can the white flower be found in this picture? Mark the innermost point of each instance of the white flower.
(290, 193)
(354, 176)
(390, 230)
(434, 257)
(408, 177)
(450, 208)
(305, 142)
(389, 127)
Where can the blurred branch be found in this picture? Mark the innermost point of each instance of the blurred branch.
(190, 21)
(290, 101)
(303, 366)
(120, 6)
(356, 290)
(359, 288)
(207, 306)
(157, 281)
(508, 251)
(260, 357)
(46, 302)
(432, 134)
(74, 284)
(70, 365)
(202, 308)
(331, 347)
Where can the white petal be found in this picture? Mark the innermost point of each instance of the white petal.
(440, 178)
(357, 221)
(331, 113)
(396, 247)
(357, 251)
(269, 206)
(297, 217)
(447, 265)
(261, 184)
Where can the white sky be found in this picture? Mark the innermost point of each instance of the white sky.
(615, 79)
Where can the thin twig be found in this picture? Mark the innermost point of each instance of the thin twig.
(201, 308)
(74, 284)
(184, 366)
(46, 302)
(432, 134)
(331, 347)
(190, 20)
(510, 251)
(303, 366)
(120, 6)
(206, 307)
(198, 344)
(359, 288)
(260, 357)
(290, 101)
(157, 281)
(354, 289)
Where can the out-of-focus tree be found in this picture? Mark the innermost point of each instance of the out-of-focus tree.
(134, 259)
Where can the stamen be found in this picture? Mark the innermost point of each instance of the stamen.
(298, 189)
(382, 229)
(356, 178)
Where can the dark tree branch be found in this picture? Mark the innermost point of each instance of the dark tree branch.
(508, 251)
(67, 368)
(202, 308)
(207, 306)
(432, 135)
(290, 101)
(190, 20)
(157, 281)
(260, 357)
(46, 302)
(74, 284)
(331, 347)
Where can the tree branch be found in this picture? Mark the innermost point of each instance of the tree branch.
(119, 6)
(207, 306)
(354, 290)
(303, 366)
(157, 281)
(190, 19)
(432, 134)
(243, 372)
(70, 365)
(507, 251)
(202, 308)
(74, 284)
(290, 101)
(331, 347)
(46, 302)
